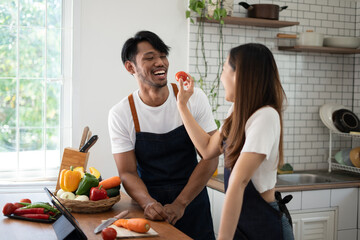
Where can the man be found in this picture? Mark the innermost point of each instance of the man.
(155, 157)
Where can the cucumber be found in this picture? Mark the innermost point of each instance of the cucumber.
(113, 192)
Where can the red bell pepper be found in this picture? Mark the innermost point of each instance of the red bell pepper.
(96, 193)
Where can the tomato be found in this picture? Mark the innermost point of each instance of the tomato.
(182, 75)
(108, 233)
(8, 209)
(18, 205)
(25, 200)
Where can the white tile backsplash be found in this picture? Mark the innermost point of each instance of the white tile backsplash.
(309, 79)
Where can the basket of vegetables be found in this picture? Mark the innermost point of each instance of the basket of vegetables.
(84, 192)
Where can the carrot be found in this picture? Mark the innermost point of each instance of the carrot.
(110, 182)
(140, 225)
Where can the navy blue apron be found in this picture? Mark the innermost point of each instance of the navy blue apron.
(258, 219)
(165, 163)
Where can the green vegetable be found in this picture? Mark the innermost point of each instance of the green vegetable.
(113, 192)
(86, 183)
(47, 206)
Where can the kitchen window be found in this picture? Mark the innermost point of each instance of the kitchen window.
(35, 88)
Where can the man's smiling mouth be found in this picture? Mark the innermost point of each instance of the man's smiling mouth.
(159, 73)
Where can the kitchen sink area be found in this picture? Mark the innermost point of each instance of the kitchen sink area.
(314, 177)
(306, 180)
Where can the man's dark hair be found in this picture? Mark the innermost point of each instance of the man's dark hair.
(129, 49)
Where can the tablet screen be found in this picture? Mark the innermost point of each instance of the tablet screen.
(64, 211)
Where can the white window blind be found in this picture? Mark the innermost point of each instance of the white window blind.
(35, 87)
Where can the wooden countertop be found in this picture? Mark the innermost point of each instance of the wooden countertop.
(218, 184)
(18, 229)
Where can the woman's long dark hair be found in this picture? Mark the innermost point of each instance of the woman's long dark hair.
(257, 85)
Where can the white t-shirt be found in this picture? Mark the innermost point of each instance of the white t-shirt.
(160, 119)
(262, 135)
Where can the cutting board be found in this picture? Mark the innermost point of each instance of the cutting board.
(124, 233)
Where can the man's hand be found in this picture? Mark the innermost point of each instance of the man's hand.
(155, 211)
(175, 211)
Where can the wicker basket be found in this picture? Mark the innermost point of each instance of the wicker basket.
(89, 206)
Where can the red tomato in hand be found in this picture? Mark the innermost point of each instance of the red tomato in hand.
(109, 233)
(181, 75)
(25, 200)
(8, 209)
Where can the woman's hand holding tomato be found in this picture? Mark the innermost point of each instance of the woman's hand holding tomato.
(185, 93)
(181, 75)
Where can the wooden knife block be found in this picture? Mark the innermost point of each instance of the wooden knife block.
(72, 157)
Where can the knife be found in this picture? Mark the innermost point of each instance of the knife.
(89, 144)
(110, 221)
(88, 135)
(83, 137)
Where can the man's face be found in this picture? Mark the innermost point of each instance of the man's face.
(151, 66)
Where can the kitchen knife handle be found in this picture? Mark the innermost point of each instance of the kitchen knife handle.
(89, 144)
(89, 135)
(122, 214)
(84, 136)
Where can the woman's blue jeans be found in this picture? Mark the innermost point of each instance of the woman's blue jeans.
(288, 233)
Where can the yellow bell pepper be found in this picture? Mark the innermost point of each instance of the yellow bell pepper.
(95, 172)
(81, 170)
(69, 180)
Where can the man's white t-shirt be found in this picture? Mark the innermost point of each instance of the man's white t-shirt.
(262, 135)
(161, 119)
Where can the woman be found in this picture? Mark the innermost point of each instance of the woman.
(251, 140)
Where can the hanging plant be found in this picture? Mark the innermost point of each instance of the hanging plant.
(212, 10)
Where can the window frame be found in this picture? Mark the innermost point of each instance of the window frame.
(18, 184)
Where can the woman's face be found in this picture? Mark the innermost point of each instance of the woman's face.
(228, 80)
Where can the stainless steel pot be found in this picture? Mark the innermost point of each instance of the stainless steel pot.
(266, 11)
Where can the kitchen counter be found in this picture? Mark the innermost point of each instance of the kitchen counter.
(19, 229)
(344, 180)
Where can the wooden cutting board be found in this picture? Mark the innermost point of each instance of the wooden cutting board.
(125, 233)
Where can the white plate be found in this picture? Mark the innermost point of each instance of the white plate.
(326, 111)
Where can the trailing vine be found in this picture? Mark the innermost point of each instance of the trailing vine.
(211, 88)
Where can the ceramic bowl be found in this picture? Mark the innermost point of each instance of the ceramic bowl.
(346, 157)
(342, 42)
(338, 158)
(326, 111)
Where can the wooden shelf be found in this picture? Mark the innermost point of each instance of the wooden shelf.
(257, 22)
(319, 49)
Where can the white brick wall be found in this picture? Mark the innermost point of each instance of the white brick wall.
(309, 79)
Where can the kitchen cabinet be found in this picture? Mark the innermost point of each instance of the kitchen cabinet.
(256, 22)
(314, 225)
(333, 213)
(216, 201)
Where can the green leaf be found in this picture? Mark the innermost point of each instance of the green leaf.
(217, 123)
(187, 14)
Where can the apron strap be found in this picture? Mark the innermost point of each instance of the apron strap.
(133, 113)
(175, 89)
(133, 109)
(281, 202)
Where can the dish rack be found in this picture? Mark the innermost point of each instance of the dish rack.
(333, 165)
